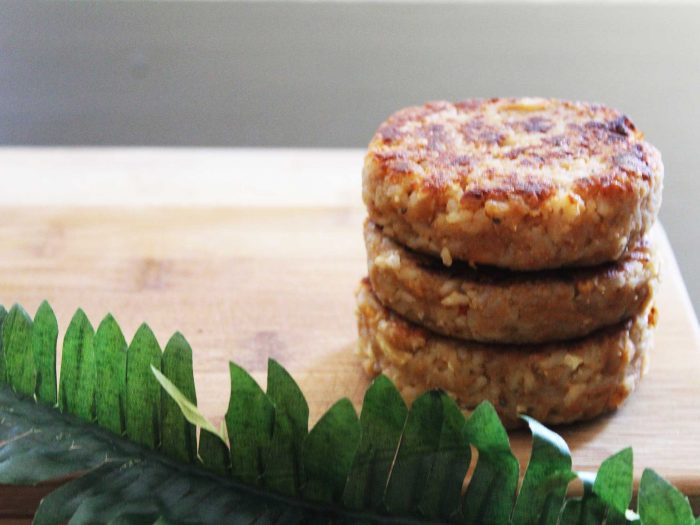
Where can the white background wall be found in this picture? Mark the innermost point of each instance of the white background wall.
(326, 73)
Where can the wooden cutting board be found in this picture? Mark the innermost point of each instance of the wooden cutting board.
(270, 273)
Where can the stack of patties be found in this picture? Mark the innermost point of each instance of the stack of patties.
(509, 255)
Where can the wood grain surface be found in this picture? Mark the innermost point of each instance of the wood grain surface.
(246, 282)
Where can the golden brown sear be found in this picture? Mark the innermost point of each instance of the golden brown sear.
(523, 184)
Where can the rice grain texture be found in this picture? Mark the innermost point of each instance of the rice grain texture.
(524, 184)
(554, 383)
(499, 306)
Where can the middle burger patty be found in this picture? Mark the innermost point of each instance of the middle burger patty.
(499, 306)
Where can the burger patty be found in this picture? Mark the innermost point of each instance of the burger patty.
(554, 383)
(524, 184)
(492, 305)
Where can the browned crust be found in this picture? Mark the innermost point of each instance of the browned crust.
(491, 189)
(554, 383)
(495, 305)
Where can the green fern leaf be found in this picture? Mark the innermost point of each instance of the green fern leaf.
(249, 423)
(546, 479)
(44, 337)
(179, 438)
(660, 503)
(283, 467)
(143, 406)
(78, 374)
(19, 357)
(328, 452)
(110, 361)
(491, 494)
(382, 421)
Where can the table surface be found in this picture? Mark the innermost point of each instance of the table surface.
(255, 254)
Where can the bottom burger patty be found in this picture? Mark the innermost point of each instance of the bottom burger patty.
(554, 383)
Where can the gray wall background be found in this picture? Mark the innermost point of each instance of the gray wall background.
(321, 74)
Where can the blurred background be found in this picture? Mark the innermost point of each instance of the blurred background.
(325, 73)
